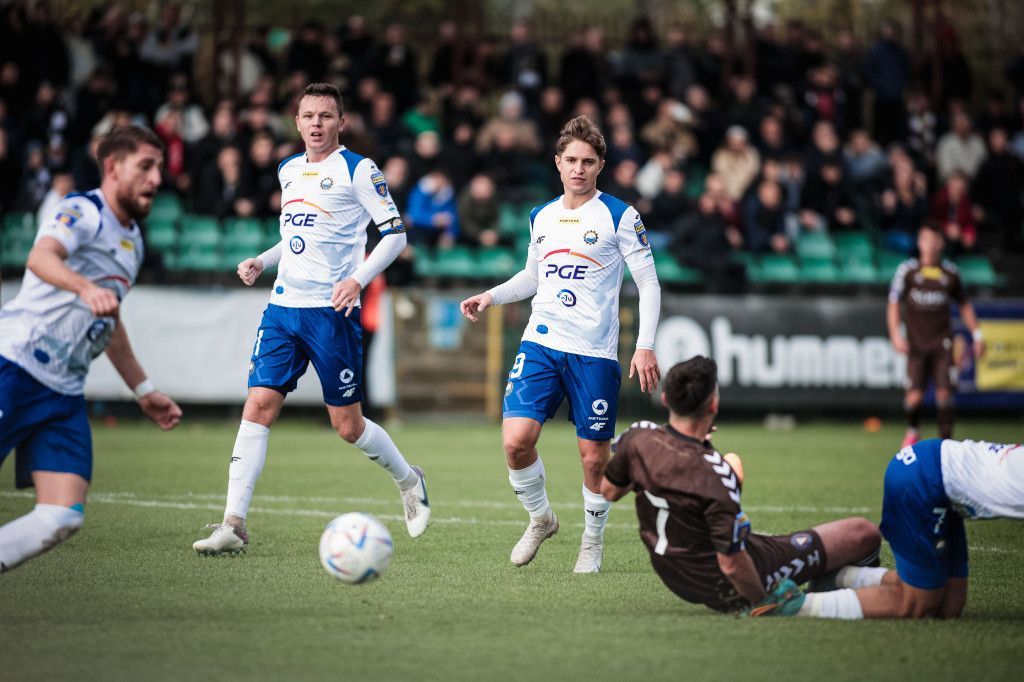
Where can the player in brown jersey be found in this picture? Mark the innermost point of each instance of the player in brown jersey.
(688, 505)
(925, 287)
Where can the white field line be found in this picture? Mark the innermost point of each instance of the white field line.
(130, 499)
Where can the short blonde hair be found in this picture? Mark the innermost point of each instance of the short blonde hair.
(582, 129)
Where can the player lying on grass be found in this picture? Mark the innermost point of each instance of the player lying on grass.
(688, 505)
(84, 261)
(930, 488)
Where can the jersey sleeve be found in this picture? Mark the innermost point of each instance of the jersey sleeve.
(373, 195)
(617, 469)
(726, 521)
(75, 221)
(897, 288)
(956, 286)
(632, 239)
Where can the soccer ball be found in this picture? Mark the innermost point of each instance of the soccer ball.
(355, 548)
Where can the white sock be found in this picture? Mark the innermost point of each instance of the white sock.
(839, 604)
(859, 576)
(378, 446)
(596, 516)
(528, 485)
(36, 532)
(247, 460)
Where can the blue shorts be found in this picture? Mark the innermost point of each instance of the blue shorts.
(50, 430)
(290, 338)
(926, 535)
(542, 377)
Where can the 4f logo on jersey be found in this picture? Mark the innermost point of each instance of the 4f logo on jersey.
(299, 219)
(296, 244)
(566, 271)
(540, 239)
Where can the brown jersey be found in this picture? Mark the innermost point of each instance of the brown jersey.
(688, 506)
(926, 293)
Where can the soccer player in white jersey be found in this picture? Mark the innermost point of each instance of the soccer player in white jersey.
(328, 197)
(84, 261)
(930, 488)
(579, 245)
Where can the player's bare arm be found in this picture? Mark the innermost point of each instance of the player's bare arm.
(46, 261)
(157, 406)
(346, 295)
(475, 304)
(739, 568)
(970, 319)
(612, 492)
(892, 318)
(645, 365)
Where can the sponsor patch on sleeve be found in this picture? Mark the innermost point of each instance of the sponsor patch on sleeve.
(127, 245)
(67, 217)
(378, 183)
(641, 232)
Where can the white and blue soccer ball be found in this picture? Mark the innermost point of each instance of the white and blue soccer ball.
(356, 548)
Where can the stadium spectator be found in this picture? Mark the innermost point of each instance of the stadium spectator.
(168, 127)
(995, 115)
(479, 213)
(390, 136)
(622, 146)
(222, 191)
(432, 213)
(961, 149)
(865, 167)
(622, 183)
(997, 190)
(849, 60)
(702, 240)
(765, 220)
(680, 66)
(922, 127)
(194, 125)
(263, 186)
(395, 66)
(36, 177)
(306, 52)
(525, 65)
(772, 143)
(726, 206)
(668, 208)
(511, 126)
(585, 70)
(706, 123)
(742, 106)
(426, 154)
(903, 208)
(826, 203)
(952, 207)
(224, 131)
(824, 98)
(955, 78)
(651, 176)
(887, 73)
(825, 145)
(396, 174)
(669, 131)
(459, 155)
(450, 59)
(169, 46)
(736, 162)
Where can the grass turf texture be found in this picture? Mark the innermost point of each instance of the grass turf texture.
(128, 599)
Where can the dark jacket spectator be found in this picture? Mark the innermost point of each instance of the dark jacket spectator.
(766, 220)
(479, 213)
(952, 206)
(700, 241)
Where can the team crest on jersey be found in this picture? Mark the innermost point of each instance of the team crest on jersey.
(252, 368)
(590, 237)
(508, 389)
(378, 183)
(297, 244)
(326, 183)
(567, 298)
(641, 232)
(67, 217)
(801, 540)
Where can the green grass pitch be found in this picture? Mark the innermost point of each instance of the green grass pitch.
(128, 599)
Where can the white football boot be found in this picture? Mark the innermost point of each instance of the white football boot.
(589, 560)
(417, 505)
(537, 532)
(224, 539)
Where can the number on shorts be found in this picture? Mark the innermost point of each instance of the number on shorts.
(517, 367)
(662, 504)
(259, 339)
(940, 514)
(907, 456)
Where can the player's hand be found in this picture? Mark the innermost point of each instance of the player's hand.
(475, 304)
(161, 409)
(900, 345)
(979, 349)
(645, 365)
(102, 302)
(249, 270)
(346, 295)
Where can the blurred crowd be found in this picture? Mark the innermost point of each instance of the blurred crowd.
(822, 137)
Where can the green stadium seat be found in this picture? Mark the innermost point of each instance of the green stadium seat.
(203, 231)
(425, 263)
(977, 270)
(234, 227)
(498, 263)
(856, 271)
(251, 242)
(456, 261)
(887, 264)
(161, 235)
(855, 246)
(514, 219)
(671, 271)
(234, 253)
(776, 268)
(200, 257)
(166, 207)
(14, 251)
(21, 223)
(819, 271)
(815, 246)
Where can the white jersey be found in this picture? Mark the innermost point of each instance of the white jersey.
(984, 480)
(50, 332)
(325, 209)
(580, 257)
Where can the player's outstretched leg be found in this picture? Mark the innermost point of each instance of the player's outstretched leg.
(36, 532)
(247, 458)
(592, 546)
(528, 485)
(417, 504)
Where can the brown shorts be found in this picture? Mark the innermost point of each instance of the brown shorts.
(798, 556)
(935, 363)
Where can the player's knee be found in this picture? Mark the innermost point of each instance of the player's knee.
(867, 533)
(593, 463)
(260, 410)
(515, 446)
(350, 429)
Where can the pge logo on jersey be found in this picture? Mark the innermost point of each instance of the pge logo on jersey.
(299, 219)
(566, 271)
(297, 244)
